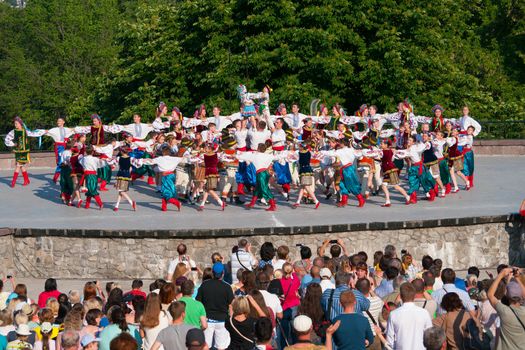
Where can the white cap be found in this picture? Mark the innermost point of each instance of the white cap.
(325, 272)
(23, 329)
(302, 323)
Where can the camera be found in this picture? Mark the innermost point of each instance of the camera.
(299, 245)
(333, 241)
(9, 277)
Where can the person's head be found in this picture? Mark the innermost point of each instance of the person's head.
(448, 276)
(74, 296)
(390, 251)
(347, 300)
(195, 339)
(182, 249)
(419, 285)
(267, 251)
(70, 339)
(263, 330)
(306, 252)
(378, 255)
(20, 289)
(93, 317)
(123, 341)
(137, 284)
(287, 270)
(391, 272)
(407, 292)
(471, 281)
(180, 270)
(167, 293)
(259, 299)
(46, 315)
(335, 250)
(363, 285)
(243, 244)
(262, 280)
(282, 252)
(451, 302)
(302, 326)
(93, 303)
(342, 278)
(248, 280)
(20, 318)
(465, 111)
(53, 305)
(434, 338)
(426, 262)
(6, 318)
(361, 269)
(514, 293)
(177, 310)
(89, 342)
(90, 290)
(187, 288)
(50, 285)
(241, 306)
(218, 270)
(261, 125)
(473, 270)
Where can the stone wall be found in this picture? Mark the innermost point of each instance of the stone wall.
(484, 245)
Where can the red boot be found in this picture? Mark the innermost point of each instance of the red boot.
(13, 182)
(432, 194)
(413, 197)
(361, 200)
(240, 188)
(26, 178)
(436, 188)
(164, 205)
(151, 180)
(99, 202)
(286, 188)
(88, 202)
(56, 176)
(522, 213)
(448, 188)
(134, 176)
(272, 207)
(344, 201)
(252, 203)
(471, 180)
(103, 184)
(175, 202)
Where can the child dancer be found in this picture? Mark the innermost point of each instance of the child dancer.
(91, 164)
(17, 139)
(390, 173)
(306, 176)
(123, 178)
(211, 172)
(67, 187)
(456, 163)
(60, 136)
(468, 155)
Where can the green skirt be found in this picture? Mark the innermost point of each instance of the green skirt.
(66, 182)
(91, 185)
(22, 157)
(262, 190)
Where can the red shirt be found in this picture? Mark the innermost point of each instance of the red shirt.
(137, 292)
(290, 289)
(44, 296)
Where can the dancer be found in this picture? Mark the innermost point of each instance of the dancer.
(123, 178)
(60, 135)
(456, 162)
(390, 173)
(17, 139)
(91, 164)
(67, 187)
(467, 142)
(441, 145)
(211, 172)
(431, 162)
(306, 176)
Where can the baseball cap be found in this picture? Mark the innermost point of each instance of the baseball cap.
(218, 268)
(88, 339)
(302, 323)
(325, 272)
(195, 337)
(23, 329)
(46, 327)
(514, 290)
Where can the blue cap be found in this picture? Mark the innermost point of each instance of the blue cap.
(88, 339)
(218, 269)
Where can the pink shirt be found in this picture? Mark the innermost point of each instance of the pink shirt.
(42, 298)
(290, 289)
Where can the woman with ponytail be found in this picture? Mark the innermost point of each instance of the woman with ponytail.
(117, 326)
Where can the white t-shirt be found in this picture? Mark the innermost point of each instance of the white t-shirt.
(326, 284)
(278, 264)
(152, 333)
(272, 301)
(181, 259)
(257, 137)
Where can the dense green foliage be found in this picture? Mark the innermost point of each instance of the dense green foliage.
(75, 57)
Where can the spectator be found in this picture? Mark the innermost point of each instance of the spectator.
(136, 289)
(454, 321)
(326, 279)
(303, 328)
(342, 280)
(195, 312)
(247, 283)
(306, 255)
(22, 310)
(124, 341)
(195, 339)
(488, 316)
(6, 322)
(267, 253)
(89, 342)
(242, 258)
(70, 340)
(311, 306)
(271, 300)
(436, 267)
(3, 294)
(46, 343)
(448, 276)
(434, 338)
(396, 284)
(21, 341)
(387, 284)
(174, 336)
(338, 251)
(429, 279)
(258, 307)
(374, 311)
(50, 291)
(240, 325)
(153, 320)
(290, 284)
(46, 315)
(216, 296)
(117, 326)
(406, 324)
(313, 277)
(263, 333)
(167, 295)
(74, 296)
(282, 257)
(183, 258)
(423, 299)
(512, 317)
(354, 331)
(91, 323)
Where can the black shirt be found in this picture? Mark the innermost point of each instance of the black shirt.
(216, 296)
(237, 342)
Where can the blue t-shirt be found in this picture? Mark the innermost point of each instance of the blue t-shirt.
(352, 332)
(3, 342)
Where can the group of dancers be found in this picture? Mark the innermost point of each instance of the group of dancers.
(254, 151)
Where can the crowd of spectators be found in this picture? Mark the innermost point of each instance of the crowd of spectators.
(266, 300)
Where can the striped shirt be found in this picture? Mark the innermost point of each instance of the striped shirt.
(362, 303)
(376, 305)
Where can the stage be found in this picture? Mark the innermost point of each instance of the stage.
(498, 191)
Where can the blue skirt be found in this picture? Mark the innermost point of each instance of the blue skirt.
(248, 111)
(246, 174)
(168, 189)
(282, 173)
(468, 164)
(350, 183)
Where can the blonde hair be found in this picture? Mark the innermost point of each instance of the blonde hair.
(5, 318)
(287, 269)
(21, 318)
(241, 306)
(53, 305)
(278, 274)
(92, 303)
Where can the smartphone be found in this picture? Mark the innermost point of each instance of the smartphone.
(299, 245)
(9, 277)
(333, 241)
(194, 269)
